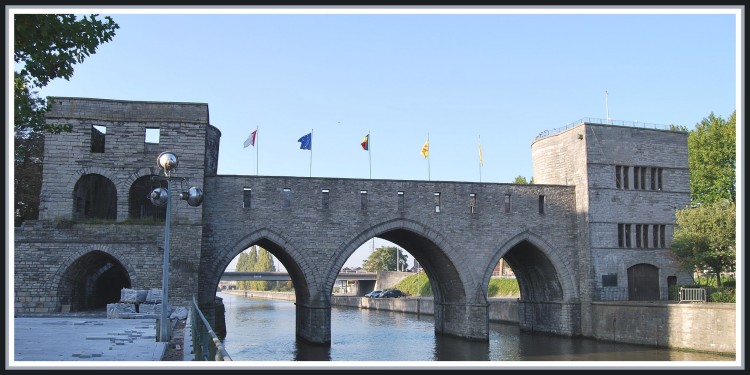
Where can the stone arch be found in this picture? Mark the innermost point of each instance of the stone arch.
(542, 273)
(94, 197)
(435, 253)
(139, 206)
(283, 248)
(92, 277)
(93, 170)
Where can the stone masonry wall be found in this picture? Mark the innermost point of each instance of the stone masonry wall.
(45, 250)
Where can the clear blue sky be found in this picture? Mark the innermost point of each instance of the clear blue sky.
(490, 76)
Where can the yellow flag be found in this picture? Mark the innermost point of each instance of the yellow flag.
(426, 148)
(481, 162)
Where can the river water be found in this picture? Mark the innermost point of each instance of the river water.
(264, 330)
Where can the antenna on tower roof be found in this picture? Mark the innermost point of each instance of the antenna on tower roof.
(606, 103)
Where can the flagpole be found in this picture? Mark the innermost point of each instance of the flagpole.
(311, 133)
(479, 138)
(256, 149)
(428, 156)
(369, 151)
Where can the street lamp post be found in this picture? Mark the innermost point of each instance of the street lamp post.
(160, 197)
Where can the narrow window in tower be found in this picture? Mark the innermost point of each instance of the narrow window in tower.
(324, 199)
(286, 198)
(98, 135)
(246, 195)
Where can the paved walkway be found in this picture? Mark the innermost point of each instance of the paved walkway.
(76, 338)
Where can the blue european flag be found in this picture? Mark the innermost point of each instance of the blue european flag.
(306, 142)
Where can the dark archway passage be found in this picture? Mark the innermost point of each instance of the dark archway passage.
(93, 281)
(139, 206)
(94, 197)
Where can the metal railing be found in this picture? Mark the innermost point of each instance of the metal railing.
(692, 294)
(206, 345)
(592, 120)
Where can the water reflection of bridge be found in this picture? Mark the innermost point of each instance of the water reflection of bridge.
(283, 276)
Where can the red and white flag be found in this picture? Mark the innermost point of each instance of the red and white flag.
(250, 141)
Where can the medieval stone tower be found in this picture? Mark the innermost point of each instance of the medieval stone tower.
(629, 182)
(100, 173)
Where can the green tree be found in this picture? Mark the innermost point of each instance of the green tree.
(243, 265)
(255, 259)
(384, 259)
(46, 46)
(712, 160)
(705, 238)
(520, 180)
(263, 263)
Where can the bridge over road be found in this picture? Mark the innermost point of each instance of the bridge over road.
(596, 225)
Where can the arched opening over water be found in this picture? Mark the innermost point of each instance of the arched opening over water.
(268, 241)
(539, 271)
(421, 243)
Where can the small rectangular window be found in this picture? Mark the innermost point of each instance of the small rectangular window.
(628, 240)
(636, 177)
(653, 178)
(626, 177)
(645, 236)
(656, 235)
(401, 203)
(246, 195)
(363, 199)
(638, 236)
(643, 178)
(621, 235)
(152, 135)
(618, 176)
(659, 179)
(662, 236)
(507, 203)
(98, 135)
(286, 198)
(541, 204)
(437, 202)
(609, 280)
(472, 203)
(324, 203)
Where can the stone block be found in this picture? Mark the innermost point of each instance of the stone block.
(153, 296)
(114, 310)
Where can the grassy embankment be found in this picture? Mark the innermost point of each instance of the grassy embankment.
(419, 285)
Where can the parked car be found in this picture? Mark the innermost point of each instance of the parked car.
(392, 293)
(374, 294)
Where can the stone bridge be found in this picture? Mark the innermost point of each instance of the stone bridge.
(595, 226)
(313, 225)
